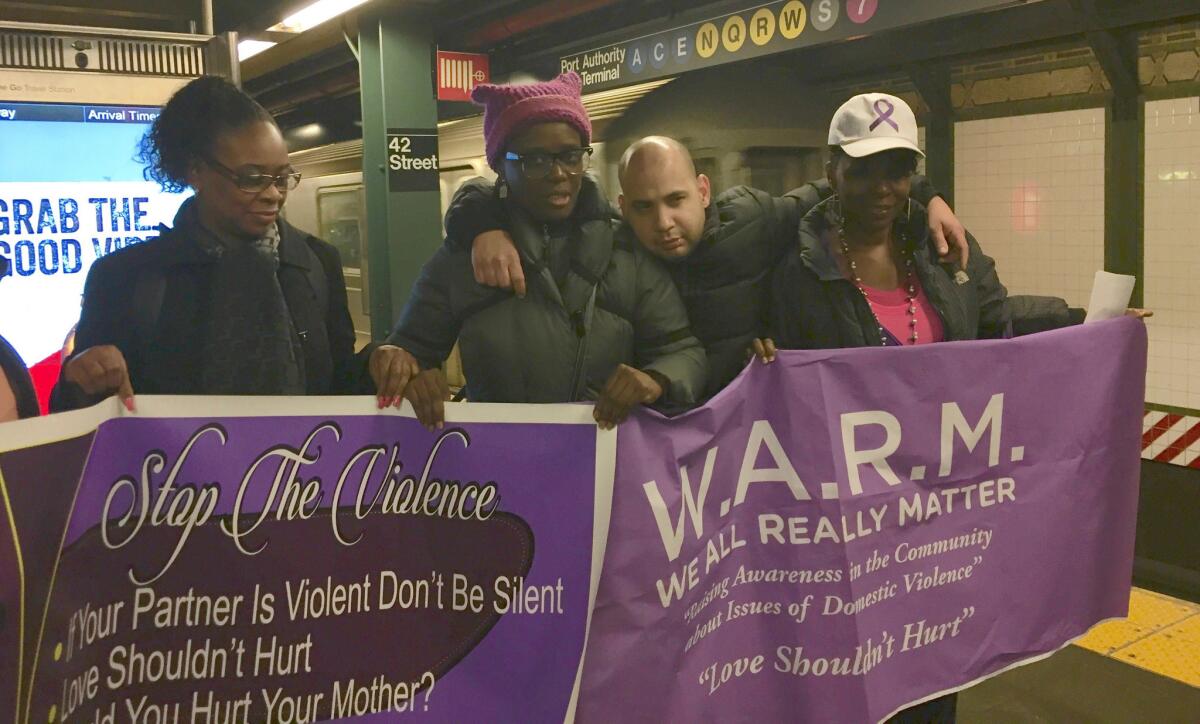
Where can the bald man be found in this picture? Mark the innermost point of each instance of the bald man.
(719, 251)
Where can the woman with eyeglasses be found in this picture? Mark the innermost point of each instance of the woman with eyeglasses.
(600, 321)
(232, 300)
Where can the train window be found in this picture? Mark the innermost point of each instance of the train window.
(779, 170)
(451, 178)
(339, 215)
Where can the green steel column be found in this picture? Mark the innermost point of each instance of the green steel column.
(932, 82)
(939, 150)
(1124, 183)
(404, 225)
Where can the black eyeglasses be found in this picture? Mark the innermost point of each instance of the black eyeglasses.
(255, 183)
(538, 164)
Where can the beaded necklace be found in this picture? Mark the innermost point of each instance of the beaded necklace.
(911, 279)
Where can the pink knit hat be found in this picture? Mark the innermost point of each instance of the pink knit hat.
(510, 108)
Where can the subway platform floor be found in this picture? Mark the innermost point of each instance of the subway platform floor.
(1144, 668)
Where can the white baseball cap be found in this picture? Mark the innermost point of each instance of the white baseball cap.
(874, 122)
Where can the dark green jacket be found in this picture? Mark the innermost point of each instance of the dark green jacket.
(616, 305)
(814, 306)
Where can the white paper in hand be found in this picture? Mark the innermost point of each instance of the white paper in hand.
(1110, 296)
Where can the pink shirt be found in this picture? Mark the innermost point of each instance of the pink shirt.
(891, 309)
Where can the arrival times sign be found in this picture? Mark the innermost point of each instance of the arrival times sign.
(761, 30)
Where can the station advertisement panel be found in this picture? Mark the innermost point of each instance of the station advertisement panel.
(71, 191)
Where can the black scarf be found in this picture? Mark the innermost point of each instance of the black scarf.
(250, 344)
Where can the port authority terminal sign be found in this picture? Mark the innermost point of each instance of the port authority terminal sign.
(824, 541)
(755, 31)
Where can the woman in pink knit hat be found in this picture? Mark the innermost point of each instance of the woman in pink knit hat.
(601, 319)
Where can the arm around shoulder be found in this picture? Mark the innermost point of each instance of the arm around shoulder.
(474, 210)
(663, 339)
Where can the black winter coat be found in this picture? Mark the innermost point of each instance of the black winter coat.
(815, 307)
(151, 301)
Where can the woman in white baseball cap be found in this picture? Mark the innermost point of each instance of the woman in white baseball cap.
(864, 272)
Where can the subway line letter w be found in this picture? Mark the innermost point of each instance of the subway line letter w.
(691, 506)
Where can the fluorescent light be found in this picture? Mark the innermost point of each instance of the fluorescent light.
(309, 131)
(314, 15)
(248, 48)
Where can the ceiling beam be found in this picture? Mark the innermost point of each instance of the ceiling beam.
(932, 81)
(1116, 50)
(146, 11)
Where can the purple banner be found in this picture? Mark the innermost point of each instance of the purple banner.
(836, 536)
(841, 534)
(295, 567)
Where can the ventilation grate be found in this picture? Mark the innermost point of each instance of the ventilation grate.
(31, 51)
(135, 57)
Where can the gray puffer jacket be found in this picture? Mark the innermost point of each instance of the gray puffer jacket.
(616, 305)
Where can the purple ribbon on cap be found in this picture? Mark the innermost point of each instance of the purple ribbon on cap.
(883, 114)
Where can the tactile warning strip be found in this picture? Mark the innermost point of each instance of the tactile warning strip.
(1161, 634)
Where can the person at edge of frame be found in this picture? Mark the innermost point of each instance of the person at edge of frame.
(863, 275)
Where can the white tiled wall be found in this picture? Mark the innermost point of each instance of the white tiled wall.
(1031, 190)
(1172, 255)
